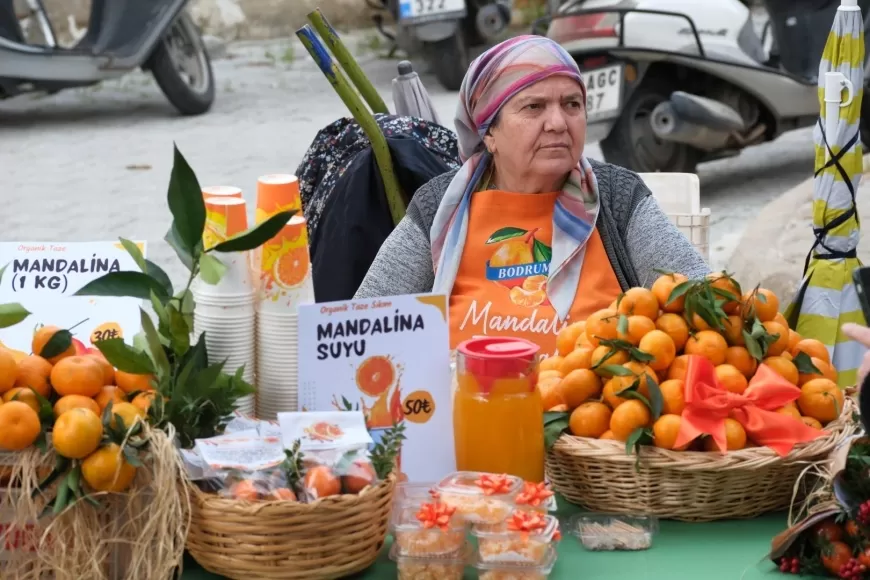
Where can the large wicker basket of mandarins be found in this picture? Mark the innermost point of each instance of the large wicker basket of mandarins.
(307, 519)
(622, 422)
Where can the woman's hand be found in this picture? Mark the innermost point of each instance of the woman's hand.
(860, 334)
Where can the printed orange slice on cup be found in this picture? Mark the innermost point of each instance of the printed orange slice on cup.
(292, 268)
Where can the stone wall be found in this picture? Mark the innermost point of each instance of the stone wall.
(229, 19)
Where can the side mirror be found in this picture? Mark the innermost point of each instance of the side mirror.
(541, 25)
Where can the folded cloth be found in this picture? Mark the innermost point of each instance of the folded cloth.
(708, 405)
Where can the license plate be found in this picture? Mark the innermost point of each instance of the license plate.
(603, 91)
(424, 9)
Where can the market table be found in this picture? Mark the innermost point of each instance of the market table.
(726, 550)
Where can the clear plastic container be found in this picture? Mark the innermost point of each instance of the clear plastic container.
(449, 567)
(505, 571)
(413, 538)
(509, 543)
(413, 493)
(614, 532)
(480, 498)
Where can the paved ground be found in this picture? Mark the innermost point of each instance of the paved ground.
(94, 164)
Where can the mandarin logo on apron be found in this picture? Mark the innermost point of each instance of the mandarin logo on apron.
(520, 264)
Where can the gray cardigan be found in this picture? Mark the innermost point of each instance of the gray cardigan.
(637, 235)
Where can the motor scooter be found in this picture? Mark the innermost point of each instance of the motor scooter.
(446, 31)
(672, 83)
(122, 35)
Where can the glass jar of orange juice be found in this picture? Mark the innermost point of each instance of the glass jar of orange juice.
(498, 416)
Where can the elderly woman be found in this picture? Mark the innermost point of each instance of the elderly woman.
(528, 235)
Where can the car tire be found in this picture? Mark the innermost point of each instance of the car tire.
(448, 59)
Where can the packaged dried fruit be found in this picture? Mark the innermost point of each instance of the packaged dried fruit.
(480, 498)
(537, 497)
(523, 538)
(507, 571)
(614, 532)
(449, 567)
(429, 529)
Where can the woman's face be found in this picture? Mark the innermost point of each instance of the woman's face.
(541, 130)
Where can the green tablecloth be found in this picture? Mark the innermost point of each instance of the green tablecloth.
(726, 550)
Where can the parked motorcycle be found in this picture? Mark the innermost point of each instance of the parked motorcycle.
(122, 35)
(446, 31)
(672, 83)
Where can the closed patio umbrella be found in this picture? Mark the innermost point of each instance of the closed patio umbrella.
(410, 96)
(827, 297)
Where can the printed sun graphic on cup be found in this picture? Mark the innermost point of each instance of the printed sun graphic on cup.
(215, 223)
(521, 263)
(323, 431)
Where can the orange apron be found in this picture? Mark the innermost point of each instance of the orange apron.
(501, 285)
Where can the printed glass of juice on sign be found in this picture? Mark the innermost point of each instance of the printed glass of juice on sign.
(498, 415)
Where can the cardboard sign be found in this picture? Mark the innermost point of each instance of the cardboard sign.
(390, 359)
(43, 276)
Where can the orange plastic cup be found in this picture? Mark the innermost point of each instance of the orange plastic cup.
(221, 191)
(224, 218)
(286, 263)
(277, 192)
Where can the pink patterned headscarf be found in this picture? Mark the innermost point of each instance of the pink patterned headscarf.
(491, 81)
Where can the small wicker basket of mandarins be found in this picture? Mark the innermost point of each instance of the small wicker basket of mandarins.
(321, 512)
(692, 400)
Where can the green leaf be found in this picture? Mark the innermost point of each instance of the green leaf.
(616, 370)
(131, 457)
(656, 401)
(173, 238)
(506, 234)
(209, 375)
(134, 252)
(124, 284)
(555, 423)
(542, 252)
(160, 276)
(179, 331)
(622, 325)
(753, 346)
(186, 204)
(12, 314)
(257, 236)
(59, 342)
(634, 440)
(125, 357)
(632, 393)
(158, 355)
(680, 290)
(639, 355)
(211, 269)
(804, 364)
(46, 413)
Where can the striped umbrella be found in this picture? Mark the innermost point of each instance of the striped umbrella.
(827, 298)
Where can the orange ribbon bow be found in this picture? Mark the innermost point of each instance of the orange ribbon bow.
(708, 405)
(493, 484)
(534, 494)
(435, 515)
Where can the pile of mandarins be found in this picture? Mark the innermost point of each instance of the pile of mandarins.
(76, 385)
(609, 366)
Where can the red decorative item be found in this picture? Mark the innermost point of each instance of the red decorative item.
(534, 494)
(435, 515)
(708, 405)
(526, 522)
(494, 484)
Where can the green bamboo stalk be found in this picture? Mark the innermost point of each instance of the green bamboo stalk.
(347, 61)
(363, 116)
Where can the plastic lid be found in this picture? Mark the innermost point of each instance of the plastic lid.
(544, 534)
(544, 567)
(489, 358)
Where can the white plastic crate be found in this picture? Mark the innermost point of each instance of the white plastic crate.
(679, 196)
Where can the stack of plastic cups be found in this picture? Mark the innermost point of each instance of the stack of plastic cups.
(284, 272)
(225, 311)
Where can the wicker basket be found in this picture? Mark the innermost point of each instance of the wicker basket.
(330, 538)
(686, 485)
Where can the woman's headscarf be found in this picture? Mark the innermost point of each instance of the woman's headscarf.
(492, 79)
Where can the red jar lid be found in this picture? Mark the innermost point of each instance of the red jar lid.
(490, 358)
